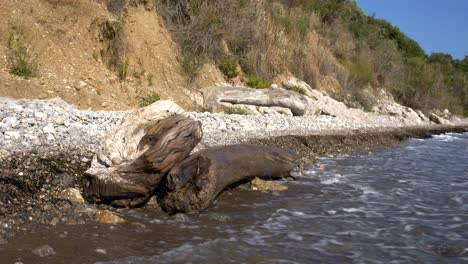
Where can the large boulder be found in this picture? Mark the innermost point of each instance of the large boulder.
(137, 154)
(195, 183)
(325, 104)
(406, 114)
(439, 120)
(218, 97)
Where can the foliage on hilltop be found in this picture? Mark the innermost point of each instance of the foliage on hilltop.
(316, 38)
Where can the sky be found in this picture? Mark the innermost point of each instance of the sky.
(437, 25)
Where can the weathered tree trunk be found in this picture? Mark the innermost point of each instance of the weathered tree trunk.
(195, 183)
(165, 143)
(298, 104)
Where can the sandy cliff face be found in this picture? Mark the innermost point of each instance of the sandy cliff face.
(67, 40)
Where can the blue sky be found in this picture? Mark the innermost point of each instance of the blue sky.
(437, 25)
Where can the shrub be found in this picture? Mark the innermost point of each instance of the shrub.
(361, 73)
(123, 69)
(363, 99)
(95, 55)
(111, 29)
(150, 79)
(190, 65)
(297, 89)
(22, 64)
(236, 111)
(257, 82)
(229, 66)
(11, 40)
(465, 112)
(150, 99)
(115, 52)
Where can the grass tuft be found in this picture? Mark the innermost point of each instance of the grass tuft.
(297, 89)
(229, 66)
(257, 82)
(123, 69)
(236, 111)
(148, 100)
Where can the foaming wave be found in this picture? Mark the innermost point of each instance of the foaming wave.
(449, 137)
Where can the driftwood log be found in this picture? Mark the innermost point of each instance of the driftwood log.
(195, 183)
(131, 182)
(298, 104)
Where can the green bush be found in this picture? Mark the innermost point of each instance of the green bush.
(229, 66)
(257, 82)
(361, 73)
(236, 111)
(152, 98)
(123, 69)
(297, 89)
(465, 113)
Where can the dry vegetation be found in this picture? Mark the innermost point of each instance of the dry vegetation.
(111, 53)
(317, 41)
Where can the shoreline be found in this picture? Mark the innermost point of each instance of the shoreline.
(34, 172)
(348, 142)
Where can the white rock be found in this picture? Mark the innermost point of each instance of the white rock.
(50, 137)
(11, 121)
(49, 129)
(101, 251)
(13, 134)
(39, 115)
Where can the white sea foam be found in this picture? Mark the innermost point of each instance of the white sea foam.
(446, 137)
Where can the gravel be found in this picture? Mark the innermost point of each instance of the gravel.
(55, 126)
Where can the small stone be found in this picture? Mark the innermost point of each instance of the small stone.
(63, 179)
(261, 185)
(54, 221)
(44, 251)
(59, 122)
(107, 217)
(152, 203)
(220, 217)
(49, 129)
(181, 217)
(39, 115)
(73, 195)
(13, 134)
(101, 251)
(50, 137)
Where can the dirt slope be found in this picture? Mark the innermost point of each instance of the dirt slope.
(66, 40)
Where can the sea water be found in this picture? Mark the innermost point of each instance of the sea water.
(405, 204)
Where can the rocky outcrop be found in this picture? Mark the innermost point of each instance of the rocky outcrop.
(439, 120)
(139, 152)
(217, 97)
(406, 114)
(325, 104)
